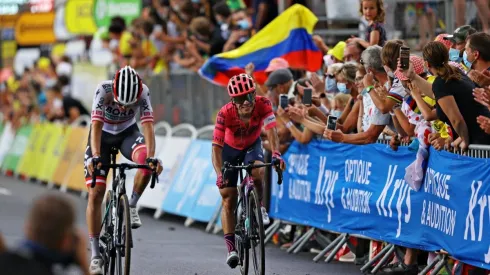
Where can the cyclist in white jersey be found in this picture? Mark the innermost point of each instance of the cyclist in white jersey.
(116, 103)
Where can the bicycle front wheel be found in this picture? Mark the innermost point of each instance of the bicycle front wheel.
(256, 233)
(123, 237)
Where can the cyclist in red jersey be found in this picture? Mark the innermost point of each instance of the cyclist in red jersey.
(236, 139)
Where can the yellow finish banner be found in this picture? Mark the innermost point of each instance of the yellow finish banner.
(79, 17)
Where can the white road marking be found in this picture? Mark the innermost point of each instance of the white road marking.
(5, 191)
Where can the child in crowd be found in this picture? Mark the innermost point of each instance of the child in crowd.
(374, 12)
(340, 101)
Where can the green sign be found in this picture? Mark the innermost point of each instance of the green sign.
(104, 10)
(12, 158)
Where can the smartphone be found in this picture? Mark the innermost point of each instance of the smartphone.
(307, 96)
(283, 101)
(332, 123)
(405, 57)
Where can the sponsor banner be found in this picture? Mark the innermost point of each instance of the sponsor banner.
(75, 179)
(29, 165)
(79, 17)
(194, 173)
(17, 150)
(104, 10)
(76, 138)
(6, 141)
(361, 189)
(8, 21)
(32, 29)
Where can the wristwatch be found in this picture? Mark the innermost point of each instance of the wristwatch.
(369, 88)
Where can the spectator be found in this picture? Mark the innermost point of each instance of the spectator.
(346, 85)
(241, 30)
(51, 240)
(453, 92)
(352, 52)
(63, 108)
(374, 12)
(458, 40)
(279, 82)
(477, 52)
(331, 78)
(335, 55)
(372, 62)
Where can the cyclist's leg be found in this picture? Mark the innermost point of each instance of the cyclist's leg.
(256, 153)
(133, 148)
(229, 197)
(95, 197)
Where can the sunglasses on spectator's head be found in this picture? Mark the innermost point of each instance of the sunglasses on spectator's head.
(250, 97)
(362, 62)
(330, 75)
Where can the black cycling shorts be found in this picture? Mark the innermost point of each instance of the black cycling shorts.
(236, 157)
(128, 142)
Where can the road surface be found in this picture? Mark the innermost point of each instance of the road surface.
(162, 246)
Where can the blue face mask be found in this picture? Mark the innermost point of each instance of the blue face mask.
(336, 113)
(467, 63)
(196, 1)
(331, 85)
(454, 55)
(343, 88)
(243, 24)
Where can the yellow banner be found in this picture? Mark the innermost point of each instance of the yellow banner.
(51, 155)
(75, 140)
(34, 29)
(28, 164)
(75, 178)
(8, 21)
(79, 17)
(9, 48)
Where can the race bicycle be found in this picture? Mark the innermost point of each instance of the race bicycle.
(249, 229)
(116, 241)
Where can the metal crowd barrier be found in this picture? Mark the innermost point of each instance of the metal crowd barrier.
(184, 97)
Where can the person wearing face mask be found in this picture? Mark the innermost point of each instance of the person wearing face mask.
(241, 30)
(330, 79)
(476, 55)
(458, 40)
(346, 85)
(51, 240)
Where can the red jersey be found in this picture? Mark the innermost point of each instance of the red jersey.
(231, 130)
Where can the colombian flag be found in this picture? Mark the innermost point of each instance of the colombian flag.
(288, 36)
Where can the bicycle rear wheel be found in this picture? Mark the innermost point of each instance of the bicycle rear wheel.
(256, 233)
(123, 238)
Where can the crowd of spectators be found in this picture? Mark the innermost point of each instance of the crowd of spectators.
(41, 93)
(173, 34)
(442, 100)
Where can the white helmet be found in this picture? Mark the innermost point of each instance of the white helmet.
(127, 86)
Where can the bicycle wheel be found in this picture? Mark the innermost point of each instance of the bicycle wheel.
(110, 256)
(241, 241)
(123, 237)
(256, 233)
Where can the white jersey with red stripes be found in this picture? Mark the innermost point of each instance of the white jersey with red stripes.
(105, 109)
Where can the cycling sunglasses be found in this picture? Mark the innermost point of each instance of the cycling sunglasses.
(250, 97)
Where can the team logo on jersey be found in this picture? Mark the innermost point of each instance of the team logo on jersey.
(107, 87)
(116, 114)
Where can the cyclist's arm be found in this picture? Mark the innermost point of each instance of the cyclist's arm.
(97, 117)
(146, 115)
(218, 142)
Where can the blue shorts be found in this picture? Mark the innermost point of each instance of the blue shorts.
(236, 157)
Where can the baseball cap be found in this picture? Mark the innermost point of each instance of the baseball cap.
(460, 34)
(442, 38)
(277, 77)
(276, 64)
(418, 67)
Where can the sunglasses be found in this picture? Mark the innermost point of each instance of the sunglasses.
(250, 97)
(330, 76)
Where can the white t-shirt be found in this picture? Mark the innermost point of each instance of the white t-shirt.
(372, 115)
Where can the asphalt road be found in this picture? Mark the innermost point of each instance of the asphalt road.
(162, 246)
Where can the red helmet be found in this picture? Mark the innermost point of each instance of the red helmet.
(241, 84)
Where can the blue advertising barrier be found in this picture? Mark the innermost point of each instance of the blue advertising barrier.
(193, 192)
(361, 190)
